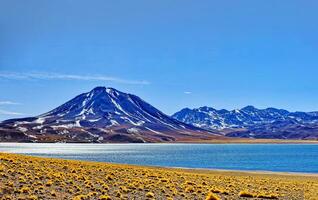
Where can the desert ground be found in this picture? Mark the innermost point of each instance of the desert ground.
(27, 177)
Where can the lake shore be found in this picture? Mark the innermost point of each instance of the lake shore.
(246, 172)
(28, 177)
(196, 141)
(248, 141)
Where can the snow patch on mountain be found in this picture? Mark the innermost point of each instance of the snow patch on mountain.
(210, 118)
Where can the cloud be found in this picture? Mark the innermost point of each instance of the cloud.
(187, 92)
(8, 103)
(6, 112)
(57, 76)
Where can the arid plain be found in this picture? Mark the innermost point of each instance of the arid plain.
(26, 177)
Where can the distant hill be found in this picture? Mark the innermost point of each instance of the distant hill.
(250, 122)
(102, 115)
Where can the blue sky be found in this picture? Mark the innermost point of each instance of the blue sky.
(172, 53)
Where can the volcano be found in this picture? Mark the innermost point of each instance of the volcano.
(102, 115)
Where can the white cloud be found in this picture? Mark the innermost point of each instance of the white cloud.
(8, 103)
(187, 92)
(57, 76)
(6, 112)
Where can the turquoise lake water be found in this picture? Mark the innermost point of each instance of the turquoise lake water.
(263, 157)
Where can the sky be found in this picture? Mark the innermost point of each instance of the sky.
(171, 53)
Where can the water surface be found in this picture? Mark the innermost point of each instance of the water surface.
(264, 157)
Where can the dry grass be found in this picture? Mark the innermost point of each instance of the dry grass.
(25, 177)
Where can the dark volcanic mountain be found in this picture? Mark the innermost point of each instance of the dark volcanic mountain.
(250, 122)
(101, 115)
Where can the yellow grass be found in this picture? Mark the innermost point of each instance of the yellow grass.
(26, 177)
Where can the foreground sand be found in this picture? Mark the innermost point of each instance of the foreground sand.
(25, 177)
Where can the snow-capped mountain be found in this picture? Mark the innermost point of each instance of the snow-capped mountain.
(105, 107)
(103, 114)
(252, 122)
(210, 118)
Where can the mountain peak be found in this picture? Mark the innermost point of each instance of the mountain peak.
(249, 108)
(207, 109)
(104, 89)
(106, 107)
(99, 88)
(101, 91)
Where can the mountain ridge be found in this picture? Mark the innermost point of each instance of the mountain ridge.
(251, 122)
(105, 114)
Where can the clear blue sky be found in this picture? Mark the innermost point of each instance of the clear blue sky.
(172, 53)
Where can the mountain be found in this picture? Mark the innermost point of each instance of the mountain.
(251, 122)
(101, 115)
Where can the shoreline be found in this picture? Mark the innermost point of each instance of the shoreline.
(255, 172)
(203, 170)
(214, 141)
(244, 168)
(25, 176)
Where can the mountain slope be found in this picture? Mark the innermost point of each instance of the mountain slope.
(251, 122)
(101, 115)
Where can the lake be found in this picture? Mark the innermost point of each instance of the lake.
(260, 157)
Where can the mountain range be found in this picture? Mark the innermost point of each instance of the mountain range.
(251, 122)
(102, 115)
(108, 115)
